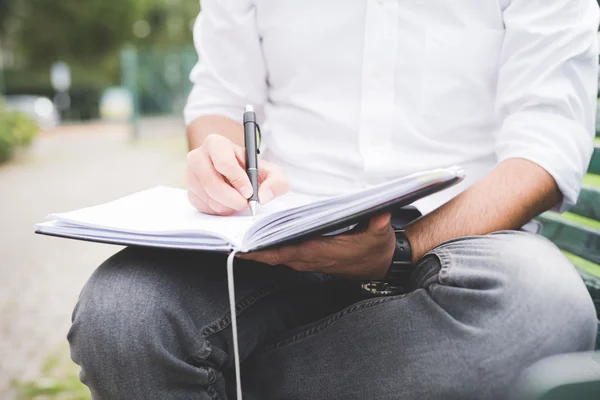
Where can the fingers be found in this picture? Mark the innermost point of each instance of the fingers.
(215, 177)
(217, 189)
(271, 257)
(380, 223)
(199, 204)
(217, 180)
(273, 182)
(305, 256)
(198, 197)
(225, 161)
(363, 255)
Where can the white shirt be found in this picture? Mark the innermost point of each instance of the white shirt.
(351, 93)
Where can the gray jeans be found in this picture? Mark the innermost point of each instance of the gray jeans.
(154, 324)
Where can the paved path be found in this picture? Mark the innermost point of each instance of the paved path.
(40, 277)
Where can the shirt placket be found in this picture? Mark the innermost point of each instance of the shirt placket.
(377, 86)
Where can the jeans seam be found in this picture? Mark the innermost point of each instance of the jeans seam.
(445, 258)
(223, 322)
(241, 306)
(212, 392)
(330, 321)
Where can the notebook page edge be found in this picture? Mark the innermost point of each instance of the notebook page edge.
(454, 173)
(47, 230)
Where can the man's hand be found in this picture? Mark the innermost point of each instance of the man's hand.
(217, 182)
(363, 255)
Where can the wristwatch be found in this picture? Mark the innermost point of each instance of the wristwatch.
(399, 272)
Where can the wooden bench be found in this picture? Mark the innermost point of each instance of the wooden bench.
(577, 233)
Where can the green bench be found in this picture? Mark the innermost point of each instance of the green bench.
(577, 233)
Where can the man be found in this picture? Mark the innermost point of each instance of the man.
(352, 93)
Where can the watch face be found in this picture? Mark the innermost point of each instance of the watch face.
(380, 288)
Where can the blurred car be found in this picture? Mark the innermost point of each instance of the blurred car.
(116, 104)
(40, 109)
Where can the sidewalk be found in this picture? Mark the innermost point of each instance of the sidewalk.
(40, 277)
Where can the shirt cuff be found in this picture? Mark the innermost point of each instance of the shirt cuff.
(201, 104)
(559, 145)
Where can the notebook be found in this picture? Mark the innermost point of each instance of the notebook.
(163, 217)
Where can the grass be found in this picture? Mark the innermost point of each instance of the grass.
(59, 380)
(583, 264)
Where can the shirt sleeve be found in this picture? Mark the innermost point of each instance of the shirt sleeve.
(547, 88)
(230, 72)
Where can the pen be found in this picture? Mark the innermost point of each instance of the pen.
(250, 140)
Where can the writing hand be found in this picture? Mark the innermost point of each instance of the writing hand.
(217, 182)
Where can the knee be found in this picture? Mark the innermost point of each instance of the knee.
(519, 284)
(136, 311)
(116, 310)
(130, 308)
(549, 291)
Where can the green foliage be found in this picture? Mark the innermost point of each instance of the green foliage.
(90, 33)
(16, 130)
(22, 127)
(87, 35)
(71, 30)
(7, 146)
(58, 381)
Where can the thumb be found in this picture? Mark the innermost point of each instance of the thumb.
(380, 223)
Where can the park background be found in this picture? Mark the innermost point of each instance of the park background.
(112, 127)
(129, 62)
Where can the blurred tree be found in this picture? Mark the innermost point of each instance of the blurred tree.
(89, 36)
(86, 32)
(170, 21)
(72, 30)
(5, 11)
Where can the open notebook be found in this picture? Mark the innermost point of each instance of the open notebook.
(162, 216)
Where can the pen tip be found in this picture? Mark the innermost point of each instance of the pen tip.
(249, 108)
(253, 207)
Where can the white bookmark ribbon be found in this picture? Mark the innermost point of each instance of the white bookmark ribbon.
(232, 310)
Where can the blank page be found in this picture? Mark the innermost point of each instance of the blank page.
(164, 212)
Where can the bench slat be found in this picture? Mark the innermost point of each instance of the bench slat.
(594, 167)
(580, 240)
(590, 274)
(592, 284)
(588, 204)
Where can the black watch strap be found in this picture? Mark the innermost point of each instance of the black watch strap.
(399, 272)
(401, 267)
